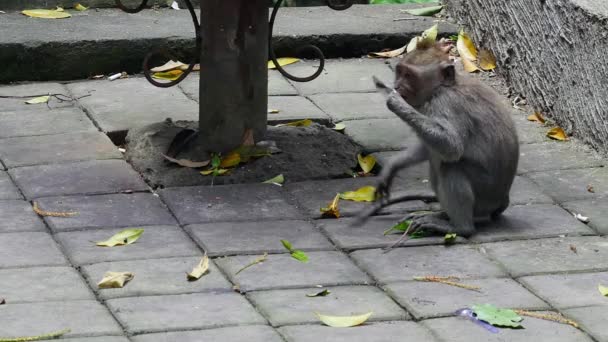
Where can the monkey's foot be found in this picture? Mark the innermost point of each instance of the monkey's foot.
(435, 223)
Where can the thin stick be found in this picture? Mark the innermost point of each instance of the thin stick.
(403, 238)
(400, 19)
(37, 338)
(259, 260)
(448, 281)
(555, 317)
(44, 213)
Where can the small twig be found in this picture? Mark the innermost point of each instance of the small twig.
(259, 260)
(400, 19)
(403, 238)
(44, 213)
(452, 281)
(555, 317)
(37, 338)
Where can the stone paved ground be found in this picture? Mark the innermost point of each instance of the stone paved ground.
(538, 257)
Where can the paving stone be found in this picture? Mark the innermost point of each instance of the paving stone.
(314, 195)
(60, 148)
(35, 121)
(524, 191)
(370, 235)
(381, 134)
(199, 204)
(529, 132)
(157, 277)
(98, 339)
(557, 156)
(370, 332)
(116, 210)
(189, 311)
(283, 307)
(425, 300)
(278, 85)
(29, 249)
(256, 237)
(293, 108)
(155, 242)
(592, 320)
(405, 263)
(531, 222)
(18, 216)
(595, 209)
(12, 104)
(42, 284)
(569, 185)
(455, 329)
(353, 106)
(568, 290)
(551, 255)
(8, 190)
(250, 333)
(94, 177)
(133, 102)
(283, 271)
(341, 76)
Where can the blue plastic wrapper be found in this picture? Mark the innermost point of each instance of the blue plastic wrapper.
(468, 314)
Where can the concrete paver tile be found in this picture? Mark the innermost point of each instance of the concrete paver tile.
(41, 284)
(595, 209)
(557, 156)
(115, 210)
(530, 257)
(245, 333)
(293, 108)
(18, 216)
(404, 263)
(188, 311)
(8, 190)
(256, 237)
(381, 134)
(370, 332)
(59, 148)
(84, 318)
(283, 271)
(592, 320)
(529, 132)
(155, 242)
(568, 290)
(278, 85)
(353, 106)
(35, 121)
(283, 307)
(133, 102)
(157, 277)
(524, 191)
(244, 202)
(94, 177)
(97, 339)
(12, 104)
(29, 249)
(425, 299)
(569, 185)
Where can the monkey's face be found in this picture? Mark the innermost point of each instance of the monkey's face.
(418, 83)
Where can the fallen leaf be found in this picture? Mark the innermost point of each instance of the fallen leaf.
(332, 210)
(2, 301)
(557, 133)
(125, 237)
(429, 35)
(46, 14)
(200, 269)
(452, 281)
(248, 152)
(258, 260)
(49, 336)
(603, 290)
(230, 160)
(573, 249)
(295, 253)
(220, 172)
(186, 162)
(581, 218)
(44, 213)
(449, 239)
(363, 194)
(319, 294)
(80, 7)
(278, 180)
(465, 47)
(537, 116)
(273, 111)
(39, 99)
(169, 66)
(171, 75)
(425, 11)
(487, 61)
(59, 9)
(287, 245)
(115, 280)
(366, 163)
(590, 188)
(389, 54)
(339, 127)
(399, 227)
(282, 62)
(413, 44)
(175, 5)
(343, 321)
(497, 316)
(468, 65)
(248, 138)
(299, 123)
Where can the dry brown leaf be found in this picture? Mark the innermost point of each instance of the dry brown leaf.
(557, 133)
(230, 160)
(537, 116)
(389, 54)
(487, 61)
(590, 188)
(186, 162)
(200, 269)
(44, 213)
(115, 280)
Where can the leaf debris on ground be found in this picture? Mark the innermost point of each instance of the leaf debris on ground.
(319, 294)
(186, 162)
(58, 13)
(299, 123)
(557, 133)
(363, 194)
(295, 253)
(282, 62)
(115, 280)
(555, 317)
(39, 100)
(603, 290)
(452, 281)
(536, 116)
(199, 270)
(258, 260)
(366, 163)
(49, 336)
(276, 180)
(343, 321)
(44, 213)
(424, 11)
(497, 316)
(80, 7)
(332, 210)
(124, 237)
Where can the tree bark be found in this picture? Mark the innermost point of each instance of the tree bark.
(551, 51)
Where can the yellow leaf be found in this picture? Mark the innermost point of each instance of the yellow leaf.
(332, 210)
(343, 321)
(280, 179)
(465, 47)
(171, 75)
(468, 65)
(39, 99)
(80, 7)
(299, 123)
(230, 160)
(339, 127)
(487, 61)
(366, 163)
(282, 62)
(413, 44)
(430, 34)
(364, 194)
(59, 9)
(125, 237)
(46, 14)
(537, 116)
(170, 65)
(220, 172)
(273, 111)
(186, 162)
(389, 54)
(603, 290)
(200, 269)
(557, 133)
(115, 280)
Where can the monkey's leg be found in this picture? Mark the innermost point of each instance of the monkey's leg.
(412, 156)
(500, 210)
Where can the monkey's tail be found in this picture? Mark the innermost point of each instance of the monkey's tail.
(365, 215)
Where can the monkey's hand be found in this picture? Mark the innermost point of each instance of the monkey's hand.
(381, 87)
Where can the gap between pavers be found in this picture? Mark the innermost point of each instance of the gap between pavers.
(370, 332)
(19, 216)
(592, 320)
(29, 249)
(243, 333)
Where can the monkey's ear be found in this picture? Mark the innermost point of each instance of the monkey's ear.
(448, 71)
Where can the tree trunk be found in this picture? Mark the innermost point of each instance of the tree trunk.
(551, 51)
(234, 74)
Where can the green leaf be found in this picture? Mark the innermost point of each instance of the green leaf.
(419, 234)
(216, 160)
(449, 239)
(425, 11)
(364, 194)
(288, 246)
(319, 294)
(125, 237)
(299, 255)
(275, 180)
(399, 227)
(343, 321)
(603, 290)
(497, 316)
